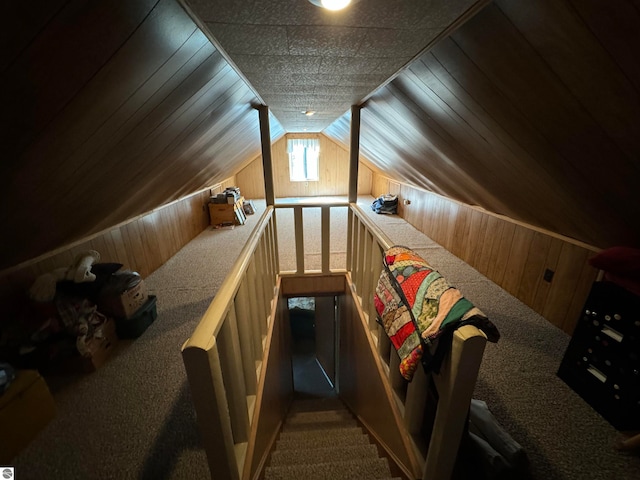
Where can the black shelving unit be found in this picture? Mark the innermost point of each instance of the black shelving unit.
(602, 361)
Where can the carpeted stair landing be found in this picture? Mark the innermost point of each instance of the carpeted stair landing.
(320, 440)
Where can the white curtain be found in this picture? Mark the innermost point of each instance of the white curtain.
(309, 143)
(303, 159)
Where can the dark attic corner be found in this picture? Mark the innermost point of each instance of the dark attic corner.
(175, 170)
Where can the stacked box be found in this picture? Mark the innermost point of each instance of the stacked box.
(100, 348)
(225, 214)
(123, 304)
(134, 298)
(222, 213)
(135, 326)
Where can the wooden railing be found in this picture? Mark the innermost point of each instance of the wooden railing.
(225, 354)
(325, 232)
(458, 374)
(223, 357)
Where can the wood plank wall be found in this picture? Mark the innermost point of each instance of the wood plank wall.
(112, 109)
(512, 254)
(531, 109)
(141, 244)
(334, 163)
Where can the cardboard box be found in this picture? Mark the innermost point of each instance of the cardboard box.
(100, 348)
(133, 299)
(136, 325)
(99, 351)
(125, 304)
(221, 213)
(25, 409)
(232, 213)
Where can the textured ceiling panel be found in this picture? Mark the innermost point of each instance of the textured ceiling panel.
(289, 42)
(280, 69)
(354, 64)
(327, 41)
(241, 39)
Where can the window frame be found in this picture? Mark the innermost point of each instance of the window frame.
(310, 147)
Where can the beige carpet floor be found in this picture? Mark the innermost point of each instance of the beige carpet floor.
(133, 418)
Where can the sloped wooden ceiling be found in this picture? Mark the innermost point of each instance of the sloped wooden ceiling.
(531, 109)
(110, 109)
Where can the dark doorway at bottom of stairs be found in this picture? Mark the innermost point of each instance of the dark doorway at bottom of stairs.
(309, 379)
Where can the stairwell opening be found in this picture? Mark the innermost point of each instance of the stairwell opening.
(312, 322)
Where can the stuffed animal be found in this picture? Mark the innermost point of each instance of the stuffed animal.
(80, 271)
(44, 287)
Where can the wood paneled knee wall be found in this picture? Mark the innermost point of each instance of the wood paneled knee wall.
(141, 244)
(512, 254)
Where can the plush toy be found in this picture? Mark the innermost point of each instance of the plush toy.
(80, 271)
(44, 287)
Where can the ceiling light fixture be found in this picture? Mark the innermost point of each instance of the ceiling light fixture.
(308, 113)
(331, 4)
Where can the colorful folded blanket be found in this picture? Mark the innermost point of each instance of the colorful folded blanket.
(416, 305)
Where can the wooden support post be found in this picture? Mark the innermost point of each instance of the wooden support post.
(267, 164)
(267, 281)
(354, 154)
(455, 384)
(270, 253)
(299, 234)
(414, 405)
(274, 237)
(362, 230)
(367, 299)
(376, 268)
(350, 227)
(353, 267)
(396, 380)
(247, 341)
(229, 347)
(384, 345)
(326, 242)
(256, 313)
(258, 291)
(204, 373)
(258, 256)
(266, 265)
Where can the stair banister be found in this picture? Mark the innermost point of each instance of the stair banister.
(221, 355)
(459, 371)
(455, 384)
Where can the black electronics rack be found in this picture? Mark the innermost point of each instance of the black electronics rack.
(602, 361)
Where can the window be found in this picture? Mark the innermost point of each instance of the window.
(303, 159)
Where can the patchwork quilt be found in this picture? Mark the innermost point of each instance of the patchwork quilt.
(416, 306)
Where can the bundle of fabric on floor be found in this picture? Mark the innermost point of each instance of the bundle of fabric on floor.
(419, 311)
(387, 204)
